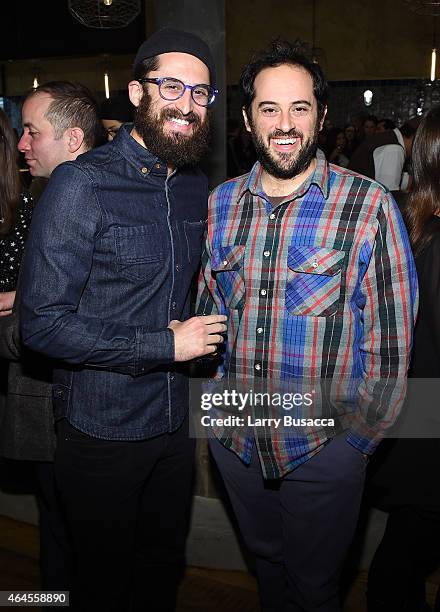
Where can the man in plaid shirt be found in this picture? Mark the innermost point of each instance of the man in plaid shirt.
(313, 267)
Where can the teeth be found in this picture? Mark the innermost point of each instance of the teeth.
(180, 121)
(285, 141)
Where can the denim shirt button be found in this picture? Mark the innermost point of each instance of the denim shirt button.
(174, 305)
(144, 170)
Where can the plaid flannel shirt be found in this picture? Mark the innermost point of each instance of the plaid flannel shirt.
(321, 286)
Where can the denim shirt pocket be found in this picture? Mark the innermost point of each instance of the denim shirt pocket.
(193, 236)
(139, 251)
(227, 264)
(314, 280)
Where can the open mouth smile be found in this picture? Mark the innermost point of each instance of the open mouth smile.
(285, 144)
(180, 121)
(285, 141)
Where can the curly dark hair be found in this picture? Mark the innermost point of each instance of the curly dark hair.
(278, 53)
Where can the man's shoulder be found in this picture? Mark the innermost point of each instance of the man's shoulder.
(365, 194)
(98, 156)
(349, 177)
(231, 188)
(95, 157)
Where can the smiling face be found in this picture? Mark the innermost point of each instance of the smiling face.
(284, 120)
(43, 152)
(176, 131)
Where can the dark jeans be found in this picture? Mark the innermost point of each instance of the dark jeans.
(56, 556)
(127, 505)
(299, 527)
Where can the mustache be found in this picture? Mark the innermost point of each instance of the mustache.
(290, 134)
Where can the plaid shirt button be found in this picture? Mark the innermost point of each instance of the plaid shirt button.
(266, 253)
(263, 292)
(257, 366)
(259, 330)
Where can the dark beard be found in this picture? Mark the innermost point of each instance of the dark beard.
(297, 165)
(176, 150)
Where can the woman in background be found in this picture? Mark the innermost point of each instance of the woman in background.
(336, 147)
(408, 478)
(15, 215)
(352, 139)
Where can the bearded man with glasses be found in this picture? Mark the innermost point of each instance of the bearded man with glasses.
(114, 246)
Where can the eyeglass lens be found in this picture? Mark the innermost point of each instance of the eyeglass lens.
(172, 89)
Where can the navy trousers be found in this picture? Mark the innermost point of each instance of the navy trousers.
(299, 528)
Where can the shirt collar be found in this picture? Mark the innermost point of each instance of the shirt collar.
(137, 155)
(320, 178)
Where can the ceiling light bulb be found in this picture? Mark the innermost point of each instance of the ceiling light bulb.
(368, 97)
(108, 2)
(106, 85)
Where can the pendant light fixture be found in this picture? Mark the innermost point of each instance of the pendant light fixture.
(434, 50)
(430, 8)
(105, 14)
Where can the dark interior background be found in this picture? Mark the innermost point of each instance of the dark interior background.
(47, 29)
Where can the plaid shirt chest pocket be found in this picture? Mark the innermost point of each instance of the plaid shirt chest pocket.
(314, 279)
(227, 265)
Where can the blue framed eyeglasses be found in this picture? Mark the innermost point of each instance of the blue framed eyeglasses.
(172, 89)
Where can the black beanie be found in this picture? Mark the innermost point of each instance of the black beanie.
(168, 40)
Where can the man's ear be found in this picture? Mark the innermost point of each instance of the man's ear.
(246, 120)
(135, 92)
(75, 139)
(321, 123)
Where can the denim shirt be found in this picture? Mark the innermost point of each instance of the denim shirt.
(112, 251)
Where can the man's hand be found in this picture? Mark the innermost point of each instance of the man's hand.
(6, 302)
(197, 336)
